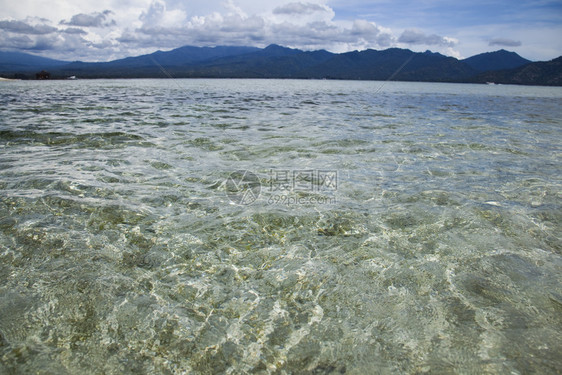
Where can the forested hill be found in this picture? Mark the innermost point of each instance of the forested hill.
(276, 61)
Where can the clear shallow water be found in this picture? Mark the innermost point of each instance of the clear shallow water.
(436, 249)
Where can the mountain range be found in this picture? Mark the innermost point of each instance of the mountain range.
(276, 61)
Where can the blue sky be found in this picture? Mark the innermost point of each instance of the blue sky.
(109, 29)
(451, 14)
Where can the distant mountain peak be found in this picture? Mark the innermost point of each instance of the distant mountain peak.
(496, 60)
(277, 50)
(274, 46)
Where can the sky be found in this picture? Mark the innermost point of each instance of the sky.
(104, 30)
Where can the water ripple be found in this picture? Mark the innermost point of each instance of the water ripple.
(437, 252)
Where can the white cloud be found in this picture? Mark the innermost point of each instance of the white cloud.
(300, 25)
(97, 19)
(299, 9)
(21, 27)
(234, 9)
(158, 15)
(74, 30)
(414, 37)
(8, 41)
(504, 42)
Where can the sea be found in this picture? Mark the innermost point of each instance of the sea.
(214, 226)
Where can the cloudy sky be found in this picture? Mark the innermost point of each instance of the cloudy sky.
(103, 30)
